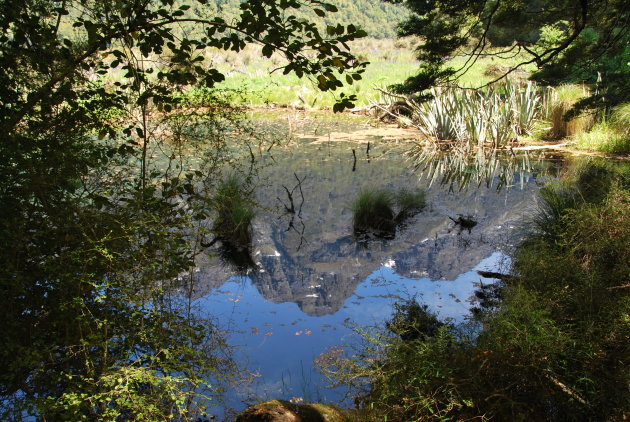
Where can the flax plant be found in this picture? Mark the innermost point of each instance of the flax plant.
(476, 119)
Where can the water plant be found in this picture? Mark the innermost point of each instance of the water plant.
(409, 202)
(373, 212)
(526, 103)
(440, 118)
(233, 205)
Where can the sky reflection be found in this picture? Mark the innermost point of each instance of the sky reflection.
(280, 341)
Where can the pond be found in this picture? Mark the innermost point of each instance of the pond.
(312, 280)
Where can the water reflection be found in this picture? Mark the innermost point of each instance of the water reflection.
(310, 275)
(280, 341)
(459, 168)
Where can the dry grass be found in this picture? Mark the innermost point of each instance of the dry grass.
(558, 103)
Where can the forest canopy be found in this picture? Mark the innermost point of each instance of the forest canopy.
(584, 41)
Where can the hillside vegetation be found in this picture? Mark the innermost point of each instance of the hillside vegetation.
(378, 19)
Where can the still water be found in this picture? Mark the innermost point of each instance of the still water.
(312, 280)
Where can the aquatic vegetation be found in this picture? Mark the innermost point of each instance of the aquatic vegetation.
(373, 210)
(441, 118)
(526, 106)
(409, 202)
(235, 212)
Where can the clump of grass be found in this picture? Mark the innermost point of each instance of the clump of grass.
(374, 210)
(235, 213)
(413, 321)
(556, 200)
(409, 203)
(620, 119)
(604, 139)
(559, 103)
(611, 135)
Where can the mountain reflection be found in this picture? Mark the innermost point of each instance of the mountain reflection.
(317, 263)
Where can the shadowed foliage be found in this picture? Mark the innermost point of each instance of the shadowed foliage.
(548, 344)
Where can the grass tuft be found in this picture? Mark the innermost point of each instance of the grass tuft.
(234, 213)
(409, 202)
(611, 136)
(373, 212)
